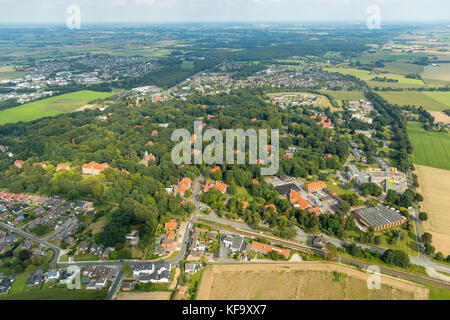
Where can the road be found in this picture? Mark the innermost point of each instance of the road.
(400, 274)
(115, 286)
(296, 246)
(35, 239)
(244, 230)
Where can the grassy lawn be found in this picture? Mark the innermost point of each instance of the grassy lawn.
(19, 284)
(338, 188)
(440, 96)
(438, 293)
(402, 68)
(442, 72)
(97, 226)
(51, 106)
(187, 65)
(64, 258)
(430, 148)
(413, 268)
(173, 255)
(428, 100)
(55, 294)
(407, 244)
(86, 257)
(346, 95)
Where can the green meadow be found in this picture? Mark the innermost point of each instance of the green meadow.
(50, 106)
(431, 149)
(440, 96)
(346, 95)
(367, 76)
(433, 101)
(402, 68)
(361, 74)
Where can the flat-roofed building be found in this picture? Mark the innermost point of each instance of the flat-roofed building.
(379, 217)
(354, 173)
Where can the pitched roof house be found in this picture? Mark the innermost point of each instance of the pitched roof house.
(62, 166)
(315, 186)
(298, 201)
(94, 168)
(222, 187)
(266, 248)
(19, 163)
(182, 186)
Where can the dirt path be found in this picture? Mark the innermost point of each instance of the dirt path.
(85, 107)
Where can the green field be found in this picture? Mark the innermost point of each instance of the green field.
(440, 72)
(402, 68)
(346, 95)
(301, 62)
(426, 99)
(187, 64)
(367, 76)
(8, 72)
(55, 294)
(440, 96)
(51, 106)
(362, 74)
(431, 149)
(19, 284)
(86, 257)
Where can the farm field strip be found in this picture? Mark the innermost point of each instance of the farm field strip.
(430, 148)
(434, 101)
(304, 281)
(50, 106)
(435, 188)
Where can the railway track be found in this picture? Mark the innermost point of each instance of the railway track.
(304, 248)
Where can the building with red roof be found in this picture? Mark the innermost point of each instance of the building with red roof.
(266, 248)
(94, 168)
(182, 186)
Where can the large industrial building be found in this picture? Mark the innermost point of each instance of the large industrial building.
(379, 217)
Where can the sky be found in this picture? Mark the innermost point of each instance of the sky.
(161, 11)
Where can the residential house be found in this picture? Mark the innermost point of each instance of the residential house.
(83, 247)
(266, 248)
(87, 271)
(94, 168)
(35, 279)
(62, 166)
(67, 277)
(6, 284)
(222, 187)
(234, 243)
(182, 186)
(53, 275)
(106, 252)
(192, 267)
(19, 163)
(170, 226)
(96, 248)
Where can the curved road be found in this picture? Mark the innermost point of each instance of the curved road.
(35, 239)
